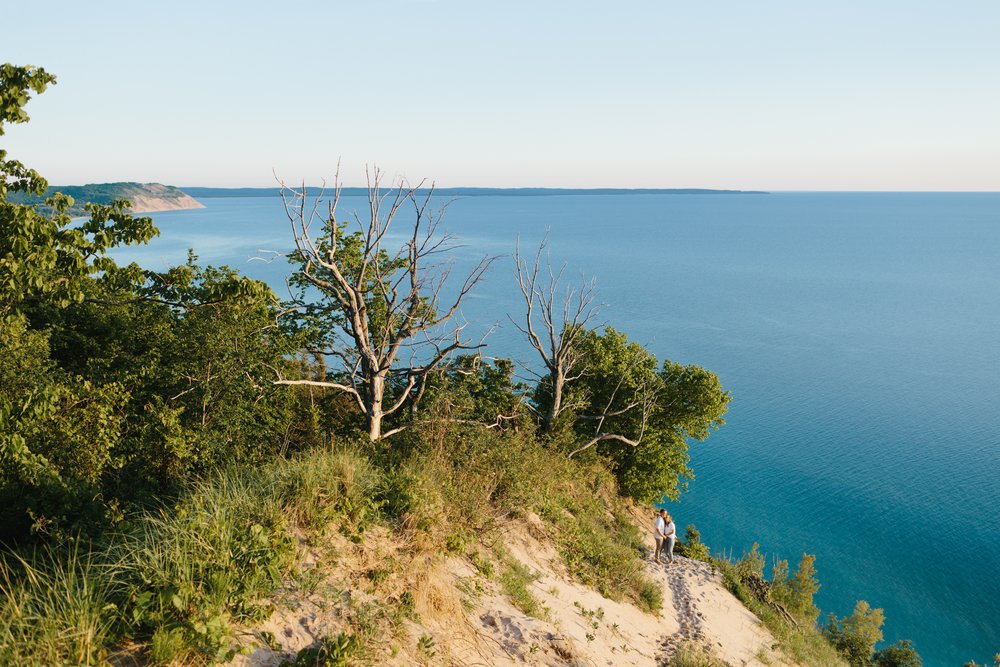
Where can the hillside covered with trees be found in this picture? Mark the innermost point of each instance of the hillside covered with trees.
(142, 197)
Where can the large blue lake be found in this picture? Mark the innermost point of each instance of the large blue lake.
(859, 335)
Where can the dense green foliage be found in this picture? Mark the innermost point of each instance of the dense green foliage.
(119, 382)
(652, 410)
(900, 654)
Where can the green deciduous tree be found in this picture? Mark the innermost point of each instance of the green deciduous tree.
(796, 593)
(195, 347)
(855, 636)
(56, 428)
(17, 83)
(598, 392)
(637, 415)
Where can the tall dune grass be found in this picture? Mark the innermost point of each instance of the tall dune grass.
(177, 579)
(58, 608)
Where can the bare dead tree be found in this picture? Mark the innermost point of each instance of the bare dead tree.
(564, 315)
(383, 311)
(555, 322)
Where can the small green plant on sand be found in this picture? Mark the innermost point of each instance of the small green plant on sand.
(331, 652)
(426, 646)
(515, 580)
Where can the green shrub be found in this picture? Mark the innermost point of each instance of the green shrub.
(900, 654)
(201, 565)
(692, 547)
(855, 636)
(796, 593)
(331, 652)
(751, 564)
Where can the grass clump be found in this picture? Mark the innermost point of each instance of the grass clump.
(515, 580)
(200, 566)
(692, 655)
(325, 486)
(58, 608)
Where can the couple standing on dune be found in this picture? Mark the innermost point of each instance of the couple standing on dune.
(665, 534)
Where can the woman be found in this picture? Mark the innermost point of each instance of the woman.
(669, 535)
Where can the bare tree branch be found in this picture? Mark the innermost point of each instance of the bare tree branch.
(562, 321)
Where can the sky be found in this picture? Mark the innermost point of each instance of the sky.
(771, 94)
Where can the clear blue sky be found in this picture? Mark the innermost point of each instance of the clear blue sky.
(773, 94)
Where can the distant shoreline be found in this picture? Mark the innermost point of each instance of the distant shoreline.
(144, 197)
(208, 193)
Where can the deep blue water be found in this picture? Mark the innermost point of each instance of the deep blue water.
(858, 333)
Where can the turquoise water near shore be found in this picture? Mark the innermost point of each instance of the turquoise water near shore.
(858, 332)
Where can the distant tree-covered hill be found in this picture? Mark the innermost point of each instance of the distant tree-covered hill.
(145, 197)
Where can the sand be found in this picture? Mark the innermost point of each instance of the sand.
(471, 622)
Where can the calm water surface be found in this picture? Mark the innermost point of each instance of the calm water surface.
(858, 333)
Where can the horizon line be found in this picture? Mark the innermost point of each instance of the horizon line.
(568, 189)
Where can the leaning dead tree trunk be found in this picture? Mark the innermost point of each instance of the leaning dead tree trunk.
(382, 313)
(553, 322)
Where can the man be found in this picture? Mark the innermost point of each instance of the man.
(659, 534)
